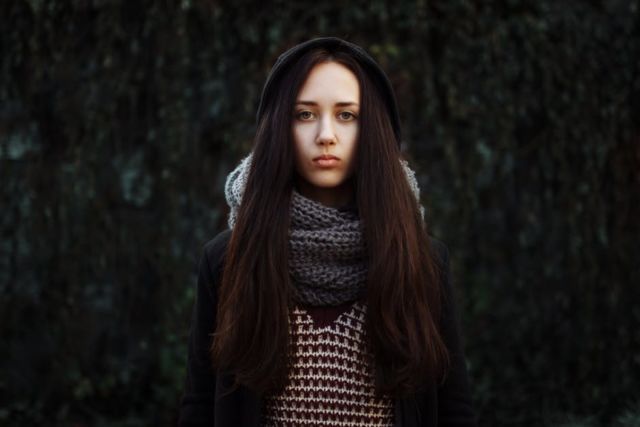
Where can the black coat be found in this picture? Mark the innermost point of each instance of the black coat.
(205, 404)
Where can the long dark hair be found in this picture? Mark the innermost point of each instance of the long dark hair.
(403, 293)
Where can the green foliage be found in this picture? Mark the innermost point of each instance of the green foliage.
(120, 120)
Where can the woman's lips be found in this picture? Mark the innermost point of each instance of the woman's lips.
(326, 161)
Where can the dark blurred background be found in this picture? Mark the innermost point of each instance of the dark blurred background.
(119, 121)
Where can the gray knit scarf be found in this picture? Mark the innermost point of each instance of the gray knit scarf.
(327, 252)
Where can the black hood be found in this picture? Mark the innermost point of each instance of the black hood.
(334, 44)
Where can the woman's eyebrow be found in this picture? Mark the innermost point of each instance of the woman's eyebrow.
(338, 104)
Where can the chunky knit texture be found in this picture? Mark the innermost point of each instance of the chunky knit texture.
(327, 261)
(331, 377)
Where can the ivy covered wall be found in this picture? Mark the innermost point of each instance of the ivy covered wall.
(119, 121)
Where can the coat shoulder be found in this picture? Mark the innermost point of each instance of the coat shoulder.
(440, 251)
(215, 249)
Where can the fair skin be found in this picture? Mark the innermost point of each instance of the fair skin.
(325, 124)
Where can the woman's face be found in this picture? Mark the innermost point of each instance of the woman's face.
(325, 132)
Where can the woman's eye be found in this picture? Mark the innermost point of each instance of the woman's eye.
(305, 115)
(347, 115)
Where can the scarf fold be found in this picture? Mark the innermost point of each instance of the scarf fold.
(327, 251)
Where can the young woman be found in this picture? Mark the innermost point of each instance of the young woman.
(326, 303)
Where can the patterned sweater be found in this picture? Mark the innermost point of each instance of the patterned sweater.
(331, 380)
(207, 401)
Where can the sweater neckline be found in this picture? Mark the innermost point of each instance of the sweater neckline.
(326, 317)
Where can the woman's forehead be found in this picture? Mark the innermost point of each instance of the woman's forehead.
(330, 81)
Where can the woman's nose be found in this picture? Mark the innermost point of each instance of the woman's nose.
(326, 133)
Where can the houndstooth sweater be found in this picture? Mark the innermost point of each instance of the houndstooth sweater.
(331, 379)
